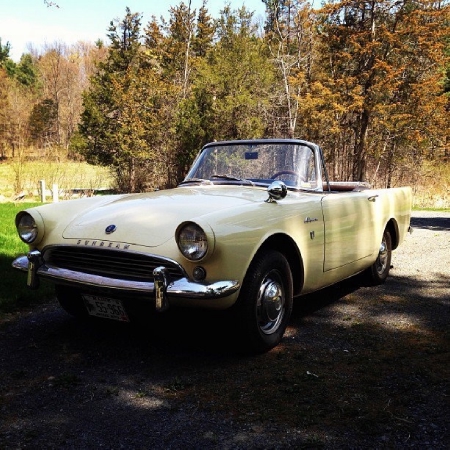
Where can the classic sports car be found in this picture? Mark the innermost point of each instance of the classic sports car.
(254, 224)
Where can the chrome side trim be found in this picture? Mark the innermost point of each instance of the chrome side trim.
(180, 288)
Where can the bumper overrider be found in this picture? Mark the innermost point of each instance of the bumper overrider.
(162, 289)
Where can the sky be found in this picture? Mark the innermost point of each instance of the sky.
(25, 22)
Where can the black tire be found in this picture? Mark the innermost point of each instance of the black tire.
(379, 270)
(71, 301)
(264, 306)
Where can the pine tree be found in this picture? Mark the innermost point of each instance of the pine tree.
(234, 79)
(380, 56)
(128, 117)
(109, 138)
(4, 52)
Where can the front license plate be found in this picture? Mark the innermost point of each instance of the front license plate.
(107, 308)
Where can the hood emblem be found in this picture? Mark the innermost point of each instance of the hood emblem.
(110, 229)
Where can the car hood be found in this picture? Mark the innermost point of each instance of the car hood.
(152, 219)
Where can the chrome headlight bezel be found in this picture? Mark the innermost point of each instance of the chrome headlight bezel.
(28, 228)
(192, 241)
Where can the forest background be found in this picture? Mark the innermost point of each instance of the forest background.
(369, 81)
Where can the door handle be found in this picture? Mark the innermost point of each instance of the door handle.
(372, 198)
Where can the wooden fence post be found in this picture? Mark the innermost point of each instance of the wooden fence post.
(42, 188)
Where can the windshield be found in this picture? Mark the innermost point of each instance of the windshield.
(256, 163)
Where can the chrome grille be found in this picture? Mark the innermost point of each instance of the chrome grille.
(117, 264)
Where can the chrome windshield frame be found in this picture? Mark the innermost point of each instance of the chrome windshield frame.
(191, 177)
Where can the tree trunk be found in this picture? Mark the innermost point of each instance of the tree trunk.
(359, 155)
(132, 175)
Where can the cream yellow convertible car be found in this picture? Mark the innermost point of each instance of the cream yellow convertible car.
(254, 224)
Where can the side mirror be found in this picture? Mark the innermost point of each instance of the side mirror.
(277, 191)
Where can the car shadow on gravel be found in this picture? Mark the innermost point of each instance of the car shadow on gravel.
(431, 223)
(212, 332)
(359, 366)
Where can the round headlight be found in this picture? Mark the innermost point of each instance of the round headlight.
(192, 241)
(26, 227)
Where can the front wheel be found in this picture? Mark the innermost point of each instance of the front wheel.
(264, 306)
(379, 270)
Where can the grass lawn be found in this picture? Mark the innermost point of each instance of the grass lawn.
(14, 293)
(24, 177)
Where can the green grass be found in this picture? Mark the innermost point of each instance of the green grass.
(14, 293)
(23, 177)
(417, 208)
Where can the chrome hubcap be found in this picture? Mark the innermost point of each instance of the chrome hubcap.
(270, 305)
(382, 259)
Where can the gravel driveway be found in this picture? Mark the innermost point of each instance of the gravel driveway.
(360, 367)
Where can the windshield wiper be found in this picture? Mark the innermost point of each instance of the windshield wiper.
(196, 180)
(231, 178)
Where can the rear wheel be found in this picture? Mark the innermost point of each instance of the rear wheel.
(379, 270)
(264, 306)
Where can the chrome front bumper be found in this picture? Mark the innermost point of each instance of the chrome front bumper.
(162, 288)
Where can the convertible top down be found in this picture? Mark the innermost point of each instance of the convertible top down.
(254, 224)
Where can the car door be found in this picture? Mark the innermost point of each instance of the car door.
(350, 228)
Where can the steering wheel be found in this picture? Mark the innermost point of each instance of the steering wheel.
(284, 172)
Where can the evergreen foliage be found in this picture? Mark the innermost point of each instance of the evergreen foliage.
(366, 80)
(4, 52)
